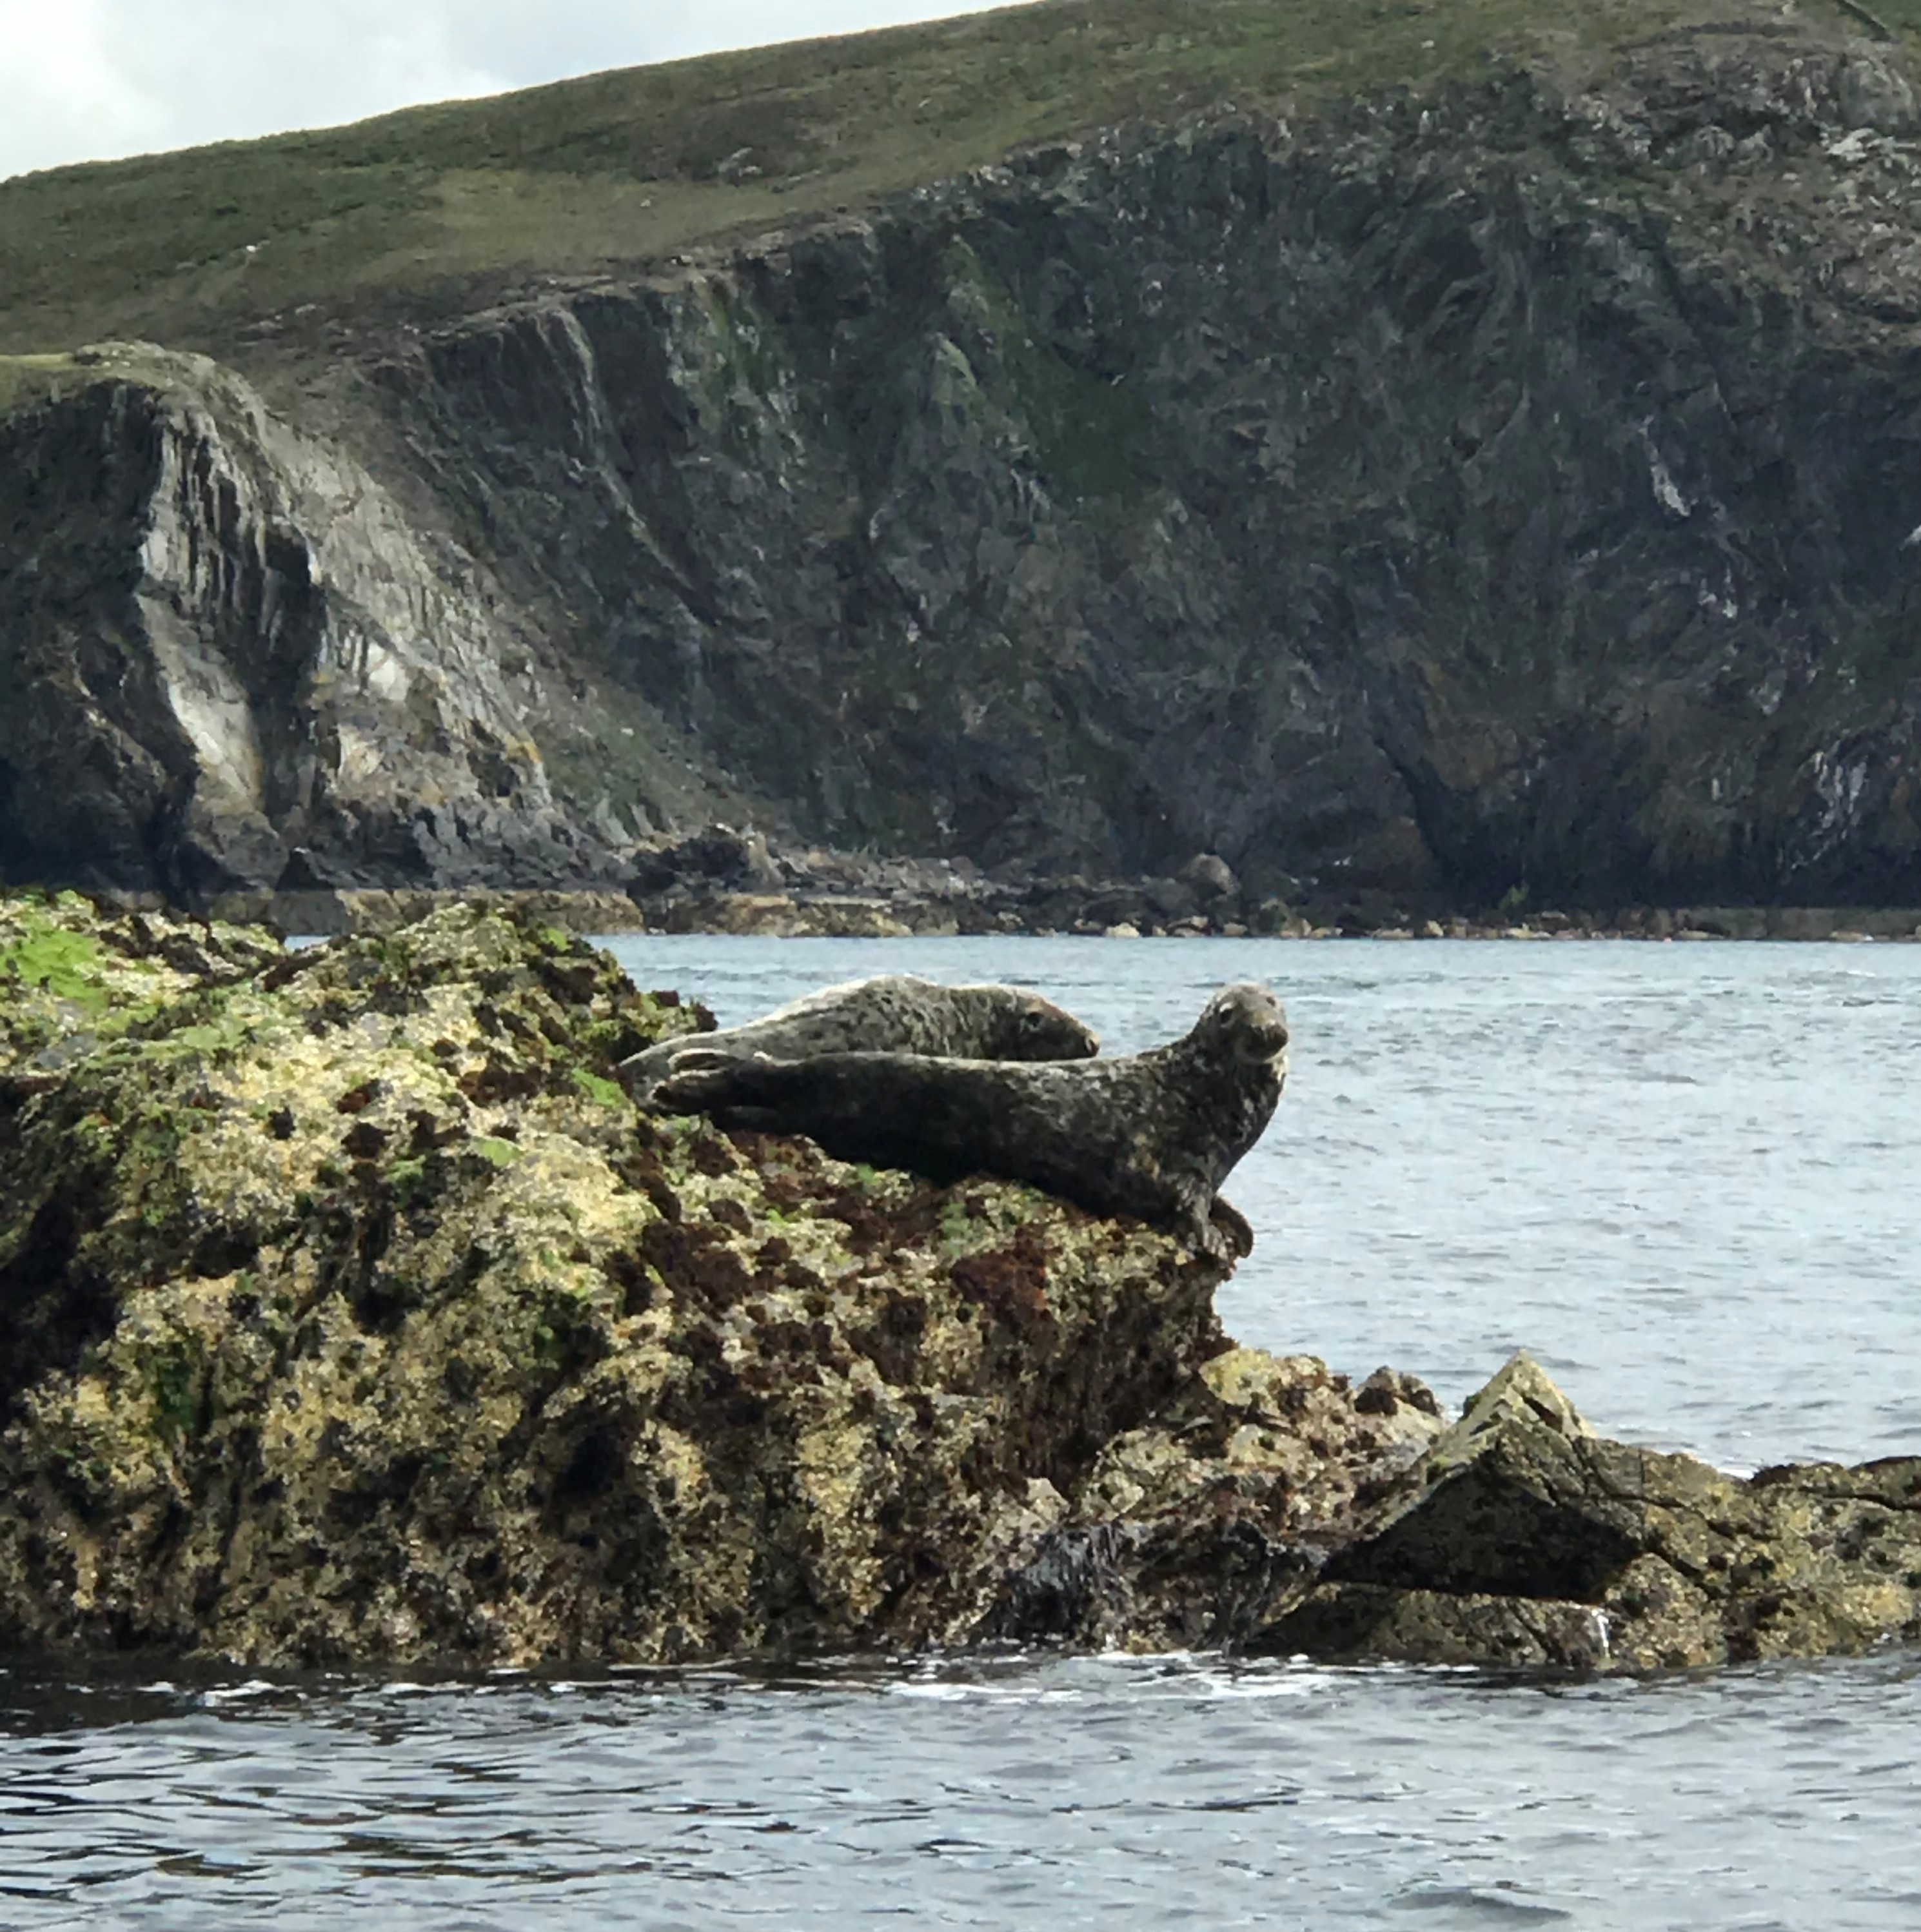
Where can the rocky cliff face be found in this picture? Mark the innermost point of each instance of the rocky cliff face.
(1514, 486)
(240, 663)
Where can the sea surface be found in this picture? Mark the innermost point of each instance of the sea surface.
(1687, 1177)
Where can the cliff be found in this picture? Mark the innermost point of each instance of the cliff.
(1452, 472)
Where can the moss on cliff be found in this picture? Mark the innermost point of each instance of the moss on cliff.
(412, 210)
(1084, 430)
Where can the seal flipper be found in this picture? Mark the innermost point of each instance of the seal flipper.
(711, 1060)
(1229, 1222)
(704, 1080)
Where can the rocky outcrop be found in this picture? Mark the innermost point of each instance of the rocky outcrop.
(1521, 1537)
(349, 1312)
(242, 665)
(348, 1309)
(1505, 487)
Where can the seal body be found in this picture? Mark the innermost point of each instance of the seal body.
(894, 1013)
(1151, 1134)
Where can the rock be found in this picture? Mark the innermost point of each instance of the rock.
(1521, 1537)
(242, 662)
(1172, 900)
(718, 856)
(74, 976)
(1195, 1528)
(348, 1311)
(1871, 94)
(1211, 877)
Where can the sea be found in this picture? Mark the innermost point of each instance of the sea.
(1686, 1177)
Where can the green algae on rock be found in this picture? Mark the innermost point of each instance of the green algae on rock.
(348, 1310)
(70, 977)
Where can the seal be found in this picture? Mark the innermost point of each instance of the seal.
(1152, 1134)
(895, 1013)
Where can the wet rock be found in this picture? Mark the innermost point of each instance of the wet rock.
(1521, 1537)
(1198, 1527)
(349, 1312)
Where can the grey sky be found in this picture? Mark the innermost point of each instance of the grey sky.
(87, 79)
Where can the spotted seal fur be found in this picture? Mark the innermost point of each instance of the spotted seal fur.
(894, 1013)
(1151, 1134)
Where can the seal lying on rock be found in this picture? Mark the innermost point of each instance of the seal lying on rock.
(1149, 1134)
(895, 1013)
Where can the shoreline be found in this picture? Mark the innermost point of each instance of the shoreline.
(331, 912)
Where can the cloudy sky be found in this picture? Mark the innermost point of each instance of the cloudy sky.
(86, 79)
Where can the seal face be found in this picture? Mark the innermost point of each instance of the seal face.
(896, 1012)
(1151, 1134)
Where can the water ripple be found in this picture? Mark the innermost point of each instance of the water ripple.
(1683, 1175)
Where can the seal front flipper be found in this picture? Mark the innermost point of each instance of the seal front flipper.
(709, 1080)
(1227, 1224)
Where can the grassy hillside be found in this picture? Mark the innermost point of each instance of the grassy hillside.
(219, 247)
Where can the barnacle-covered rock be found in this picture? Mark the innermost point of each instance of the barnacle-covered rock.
(348, 1308)
(350, 1311)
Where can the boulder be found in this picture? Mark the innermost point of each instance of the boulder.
(1211, 878)
(351, 1312)
(1521, 1537)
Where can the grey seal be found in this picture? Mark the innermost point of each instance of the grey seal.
(1152, 1134)
(896, 1012)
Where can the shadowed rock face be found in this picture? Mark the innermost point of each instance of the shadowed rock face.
(1511, 486)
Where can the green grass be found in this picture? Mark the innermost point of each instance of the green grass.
(249, 250)
(23, 377)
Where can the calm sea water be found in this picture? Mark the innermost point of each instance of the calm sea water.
(1684, 1175)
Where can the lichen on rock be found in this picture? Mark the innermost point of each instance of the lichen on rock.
(350, 1312)
(349, 1309)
